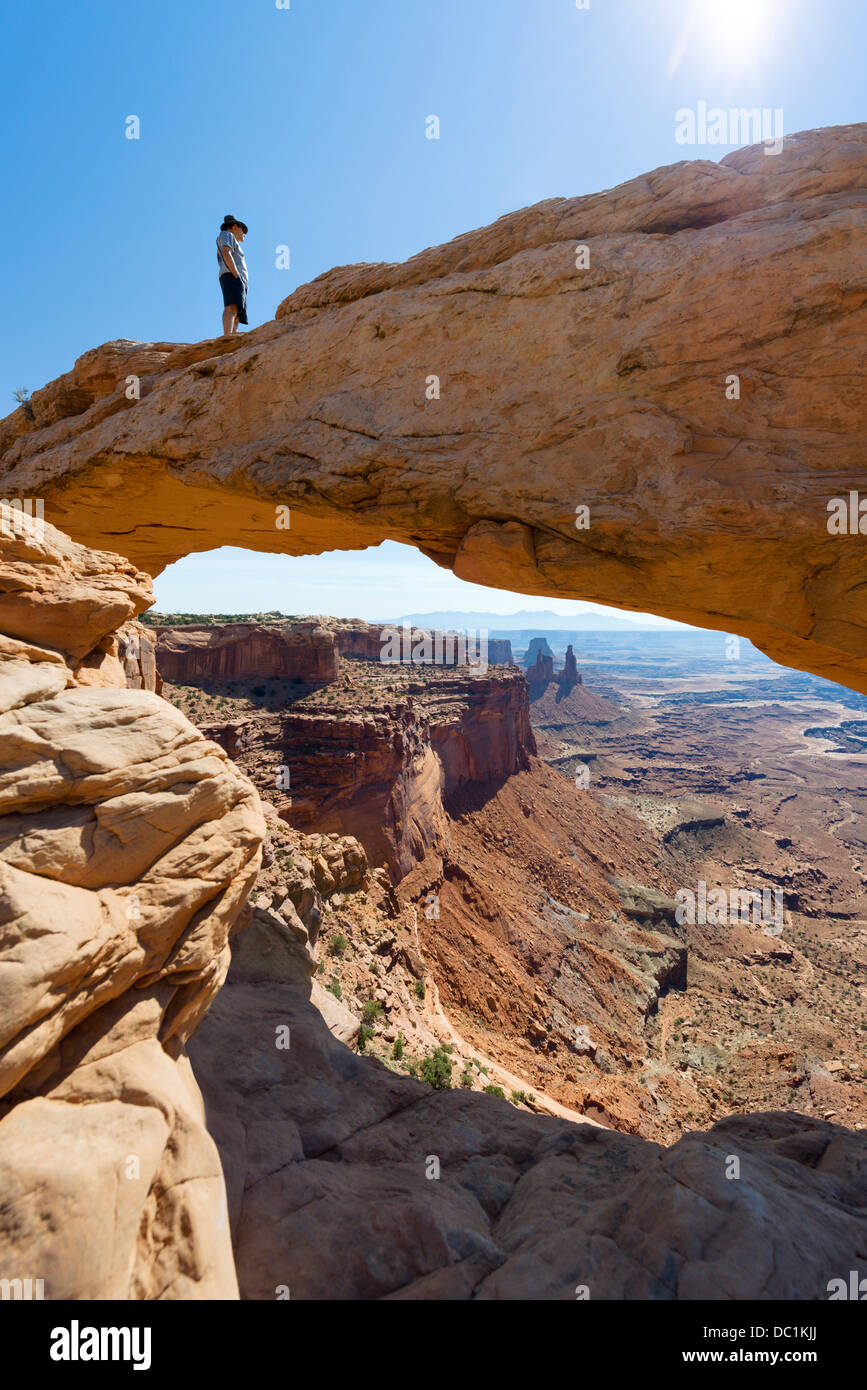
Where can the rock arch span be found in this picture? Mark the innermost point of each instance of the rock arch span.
(559, 388)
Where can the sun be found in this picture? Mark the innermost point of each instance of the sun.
(736, 30)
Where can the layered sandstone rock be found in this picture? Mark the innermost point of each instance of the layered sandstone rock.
(302, 651)
(367, 641)
(378, 761)
(128, 845)
(705, 442)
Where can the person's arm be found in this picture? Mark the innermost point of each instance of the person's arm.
(228, 258)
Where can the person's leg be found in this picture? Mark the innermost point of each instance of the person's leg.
(230, 319)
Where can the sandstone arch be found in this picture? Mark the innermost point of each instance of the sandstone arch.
(560, 387)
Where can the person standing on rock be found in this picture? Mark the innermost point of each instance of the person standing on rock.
(232, 269)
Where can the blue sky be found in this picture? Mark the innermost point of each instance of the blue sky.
(309, 123)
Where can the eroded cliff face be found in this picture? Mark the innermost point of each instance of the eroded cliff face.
(128, 845)
(359, 759)
(303, 651)
(607, 388)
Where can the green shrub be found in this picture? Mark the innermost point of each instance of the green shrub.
(495, 1091)
(365, 1033)
(436, 1070)
(467, 1079)
(334, 988)
(419, 989)
(412, 1066)
(338, 944)
(372, 1010)
(397, 1050)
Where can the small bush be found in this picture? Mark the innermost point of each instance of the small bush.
(495, 1091)
(338, 944)
(334, 988)
(372, 1010)
(436, 1070)
(467, 1079)
(365, 1033)
(397, 1050)
(419, 989)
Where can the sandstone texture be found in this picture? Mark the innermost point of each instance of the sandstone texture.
(608, 387)
(248, 652)
(128, 845)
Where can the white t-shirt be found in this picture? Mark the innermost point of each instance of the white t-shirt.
(228, 239)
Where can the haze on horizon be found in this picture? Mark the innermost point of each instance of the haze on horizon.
(381, 584)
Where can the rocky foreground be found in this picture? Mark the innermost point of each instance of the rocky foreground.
(128, 846)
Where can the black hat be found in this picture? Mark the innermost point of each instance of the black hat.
(230, 221)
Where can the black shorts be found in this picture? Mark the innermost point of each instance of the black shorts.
(234, 294)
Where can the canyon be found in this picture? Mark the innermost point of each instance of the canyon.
(359, 980)
(563, 888)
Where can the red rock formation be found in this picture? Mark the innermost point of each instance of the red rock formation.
(500, 651)
(570, 675)
(378, 767)
(303, 651)
(366, 642)
(542, 670)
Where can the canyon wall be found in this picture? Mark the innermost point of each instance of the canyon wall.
(704, 443)
(381, 771)
(366, 641)
(303, 651)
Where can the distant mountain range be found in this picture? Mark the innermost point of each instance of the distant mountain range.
(526, 621)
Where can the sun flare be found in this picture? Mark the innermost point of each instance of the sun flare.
(736, 30)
